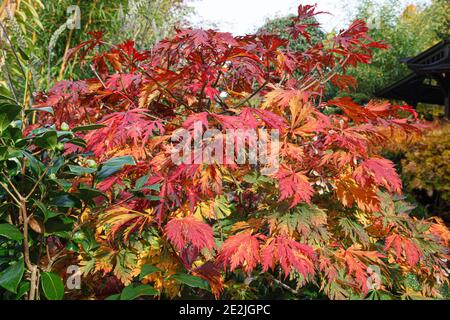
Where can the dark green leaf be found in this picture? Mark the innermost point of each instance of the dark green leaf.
(88, 127)
(13, 136)
(79, 171)
(153, 198)
(24, 287)
(114, 297)
(3, 152)
(36, 166)
(48, 140)
(141, 182)
(132, 292)
(52, 286)
(48, 214)
(43, 109)
(8, 113)
(113, 165)
(155, 187)
(11, 276)
(191, 281)
(65, 201)
(66, 185)
(11, 232)
(148, 269)
(23, 54)
(88, 194)
(78, 142)
(5, 96)
(60, 226)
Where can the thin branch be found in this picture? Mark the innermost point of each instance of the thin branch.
(26, 247)
(240, 104)
(12, 49)
(9, 192)
(283, 285)
(223, 103)
(98, 77)
(16, 57)
(52, 260)
(18, 194)
(150, 76)
(37, 183)
(329, 77)
(8, 75)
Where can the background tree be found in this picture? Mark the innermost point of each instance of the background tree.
(42, 32)
(407, 32)
(280, 26)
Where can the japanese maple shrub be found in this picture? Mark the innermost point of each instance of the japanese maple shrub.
(331, 217)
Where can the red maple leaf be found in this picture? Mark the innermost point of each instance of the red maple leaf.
(132, 127)
(290, 254)
(353, 110)
(357, 262)
(240, 250)
(293, 185)
(190, 231)
(211, 273)
(378, 171)
(404, 249)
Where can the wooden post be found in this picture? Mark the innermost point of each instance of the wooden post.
(447, 104)
(444, 84)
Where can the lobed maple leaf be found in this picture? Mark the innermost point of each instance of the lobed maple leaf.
(132, 127)
(300, 26)
(378, 171)
(344, 82)
(280, 98)
(404, 249)
(306, 223)
(307, 11)
(190, 231)
(201, 118)
(86, 46)
(352, 35)
(305, 119)
(439, 230)
(71, 102)
(349, 192)
(356, 139)
(327, 266)
(352, 109)
(117, 219)
(269, 118)
(123, 83)
(211, 273)
(290, 254)
(240, 250)
(357, 262)
(293, 185)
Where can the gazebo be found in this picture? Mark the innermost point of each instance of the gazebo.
(429, 81)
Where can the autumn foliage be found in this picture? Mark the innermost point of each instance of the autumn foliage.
(329, 216)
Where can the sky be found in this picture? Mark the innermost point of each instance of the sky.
(245, 16)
